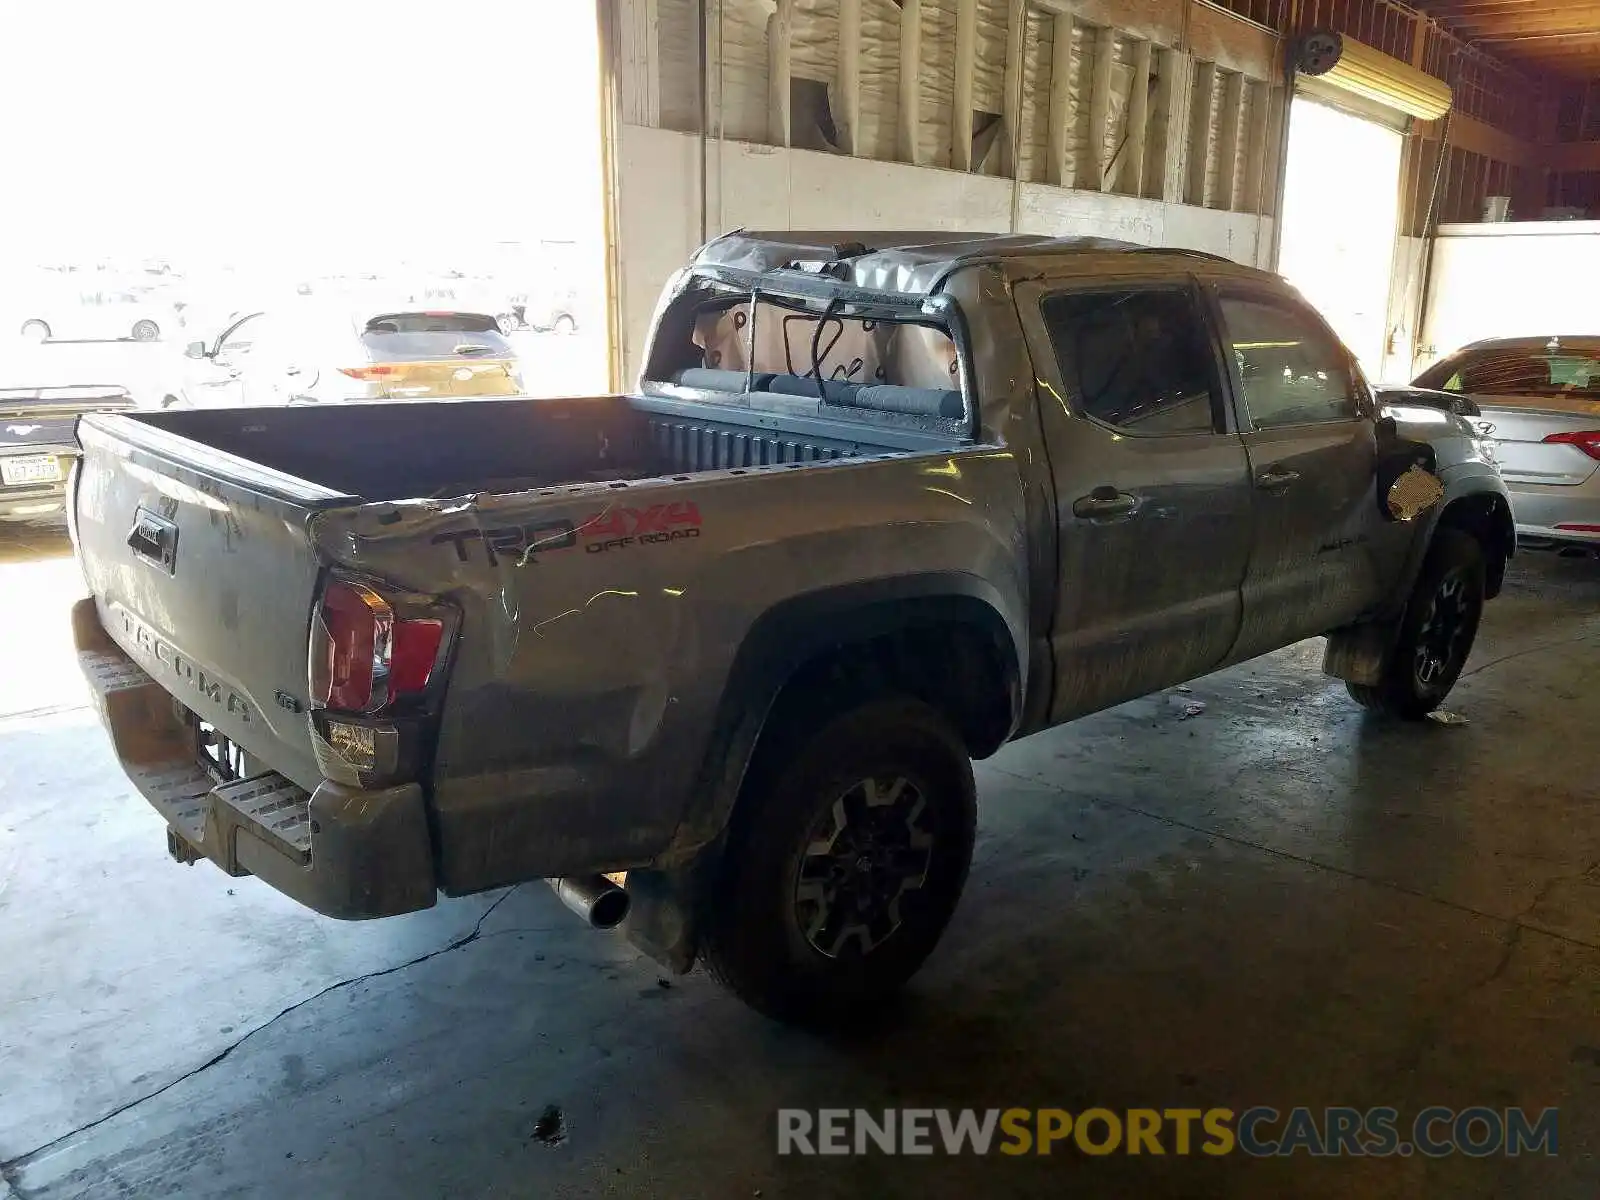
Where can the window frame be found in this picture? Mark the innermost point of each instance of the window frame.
(1294, 305)
(1223, 415)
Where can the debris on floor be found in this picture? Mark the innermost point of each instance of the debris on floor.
(1439, 717)
(551, 1127)
(1192, 709)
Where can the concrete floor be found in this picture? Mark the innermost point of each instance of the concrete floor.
(1275, 902)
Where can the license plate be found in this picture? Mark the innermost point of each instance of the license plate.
(30, 468)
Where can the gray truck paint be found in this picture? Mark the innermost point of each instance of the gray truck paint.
(603, 699)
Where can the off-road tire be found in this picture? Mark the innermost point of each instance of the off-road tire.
(1453, 573)
(754, 940)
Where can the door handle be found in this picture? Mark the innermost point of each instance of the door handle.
(154, 539)
(1105, 503)
(1275, 480)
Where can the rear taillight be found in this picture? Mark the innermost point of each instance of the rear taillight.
(363, 657)
(376, 371)
(1587, 440)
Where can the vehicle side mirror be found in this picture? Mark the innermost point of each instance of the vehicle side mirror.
(195, 350)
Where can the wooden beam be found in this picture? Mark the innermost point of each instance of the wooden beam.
(961, 104)
(1092, 173)
(1171, 119)
(1567, 23)
(1132, 177)
(1060, 126)
(1011, 101)
(1471, 134)
(848, 121)
(1205, 82)
(910, 78)
(780, 34)
(1228, 141)
(1256, 136)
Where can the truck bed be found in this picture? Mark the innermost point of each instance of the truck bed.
(437, 449)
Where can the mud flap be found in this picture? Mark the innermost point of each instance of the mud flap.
(663, 916)
(1359, 653)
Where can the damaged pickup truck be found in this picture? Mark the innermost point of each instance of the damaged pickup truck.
(880, 503)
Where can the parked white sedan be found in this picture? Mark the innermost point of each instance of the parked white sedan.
(1540, 402)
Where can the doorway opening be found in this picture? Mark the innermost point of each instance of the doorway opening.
(187, 177)
(1341, 206)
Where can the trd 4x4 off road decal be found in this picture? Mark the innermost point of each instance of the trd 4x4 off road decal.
(607, 530)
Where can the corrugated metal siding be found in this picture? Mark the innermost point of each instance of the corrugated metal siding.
(937, 86)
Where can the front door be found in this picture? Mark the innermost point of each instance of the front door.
(1309, 434)
(1152, 486)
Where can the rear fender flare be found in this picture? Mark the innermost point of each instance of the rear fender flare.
(782, 641)
(799, 630)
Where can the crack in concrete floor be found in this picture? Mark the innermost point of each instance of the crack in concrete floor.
(10, 1169)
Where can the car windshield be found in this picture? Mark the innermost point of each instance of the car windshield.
(411, 337)
(1551, 370)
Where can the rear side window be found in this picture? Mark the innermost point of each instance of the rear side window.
(410, 337)
(1136, 360)
(1293, 371)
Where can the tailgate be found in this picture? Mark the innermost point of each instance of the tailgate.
(202, 570)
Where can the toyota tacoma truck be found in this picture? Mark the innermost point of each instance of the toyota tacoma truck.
(714, 657)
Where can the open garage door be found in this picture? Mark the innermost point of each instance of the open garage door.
(1341, 202)
(304, 203)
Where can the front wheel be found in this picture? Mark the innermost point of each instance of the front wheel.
(844, 862)
(146, 331)
(1436, 632)
(35, 330)
(565, 324)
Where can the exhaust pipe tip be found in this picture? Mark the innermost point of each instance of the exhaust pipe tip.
(595, 898)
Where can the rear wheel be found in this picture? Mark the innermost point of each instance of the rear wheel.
(507, 323)
(36, 330)
(1436, 633)
(846, 858)
(146, 330)
(565, 323)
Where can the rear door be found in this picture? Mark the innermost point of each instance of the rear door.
(1151, 483)
(1304, 411)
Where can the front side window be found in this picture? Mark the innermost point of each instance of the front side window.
(1135, 360)
(1293, 371)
